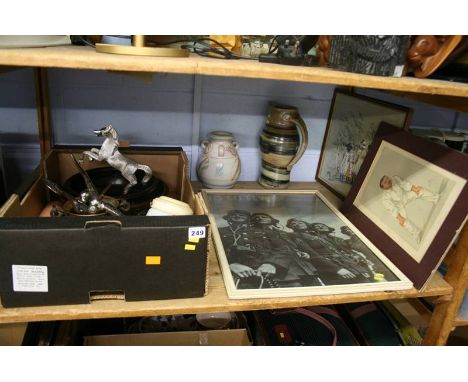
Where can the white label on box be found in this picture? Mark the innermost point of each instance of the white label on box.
(30, 278)
(196, 232)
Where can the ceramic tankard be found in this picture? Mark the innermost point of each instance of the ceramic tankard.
(219, 166)
(283, 141)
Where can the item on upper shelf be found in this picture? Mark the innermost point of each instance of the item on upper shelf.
(219, 165)
(139, 48)
(428, 52)
(352, 123)
(33, 41)
(165, 206)
(253, 46)
(411, 199)
(230, 42)
(369, 54)
(292, 243)
(283, 141)
(291, 50)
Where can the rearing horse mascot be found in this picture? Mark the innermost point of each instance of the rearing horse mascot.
(110, 153)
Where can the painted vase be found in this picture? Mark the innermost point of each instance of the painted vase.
(219, 166)
(283, 141)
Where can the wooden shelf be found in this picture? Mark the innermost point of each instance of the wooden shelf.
(77, 57)
(215, 300)
(460, 322)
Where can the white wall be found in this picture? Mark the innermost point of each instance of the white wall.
(175, 110)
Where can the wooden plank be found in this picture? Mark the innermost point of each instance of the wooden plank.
(460, 322)
(76, 57)
(43, 111)
(215, 300)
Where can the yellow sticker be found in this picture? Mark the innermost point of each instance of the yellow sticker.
(153, 260)
(190, 247)
(281, 334)
(194, 240)
(379, 277)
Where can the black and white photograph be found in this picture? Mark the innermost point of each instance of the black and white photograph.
(273, 244)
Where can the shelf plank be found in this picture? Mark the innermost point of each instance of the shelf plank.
(460, 322)
(215, 300)
(79, 57)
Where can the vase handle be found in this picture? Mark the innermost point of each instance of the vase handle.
(303, 140)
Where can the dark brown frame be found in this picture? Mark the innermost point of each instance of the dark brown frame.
(338, 92)
(445, 158)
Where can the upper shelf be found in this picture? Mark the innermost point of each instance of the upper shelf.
(77, 57)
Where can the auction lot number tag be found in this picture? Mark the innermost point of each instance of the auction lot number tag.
(196, 232)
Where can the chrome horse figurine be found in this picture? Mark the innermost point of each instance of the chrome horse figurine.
(110, 153)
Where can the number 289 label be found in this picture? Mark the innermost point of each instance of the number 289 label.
(197, 232)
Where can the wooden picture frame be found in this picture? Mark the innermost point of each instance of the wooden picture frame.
(410, 199)
(279, 243)
(352, 123)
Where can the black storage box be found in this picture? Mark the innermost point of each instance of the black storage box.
(74, 260)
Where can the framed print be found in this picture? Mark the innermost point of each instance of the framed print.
(281, 243)
(410, 199)
(352, 123)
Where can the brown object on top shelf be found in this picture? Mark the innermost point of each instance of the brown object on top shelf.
(323, 48)
(428, 52)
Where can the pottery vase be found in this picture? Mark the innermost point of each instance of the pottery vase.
(283, 141)
(219, 165)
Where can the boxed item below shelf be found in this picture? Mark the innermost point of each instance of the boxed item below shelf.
(74, 260)
(223, 337)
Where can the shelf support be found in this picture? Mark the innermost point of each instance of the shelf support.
(445, 313)
(43, 110)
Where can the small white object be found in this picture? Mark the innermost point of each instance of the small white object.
(165, 206)
(30, 278)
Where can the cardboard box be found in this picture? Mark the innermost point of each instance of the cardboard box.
(72, 260)
(227, 337)
(12, 334)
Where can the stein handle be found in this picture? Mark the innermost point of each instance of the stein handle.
(204, 144)
(303, 140)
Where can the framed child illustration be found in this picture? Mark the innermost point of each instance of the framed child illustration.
(352, 123)
(410, 199)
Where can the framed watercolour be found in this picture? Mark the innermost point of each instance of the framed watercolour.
(352, 123)
(274, 243)
(411, 199)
